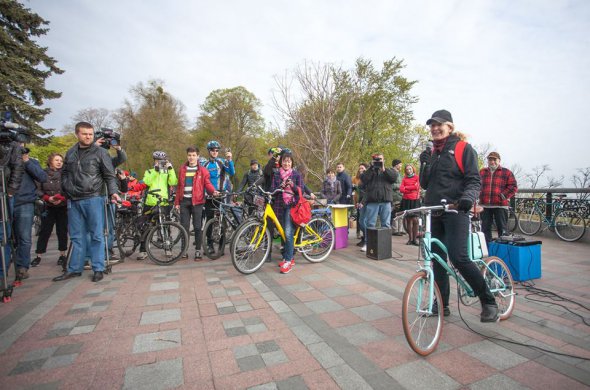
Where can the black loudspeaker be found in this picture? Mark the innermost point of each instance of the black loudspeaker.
(378, 243)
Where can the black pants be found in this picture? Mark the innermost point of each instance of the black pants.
(57, 216)
(187, 210)
(487, 218)
(453, 230)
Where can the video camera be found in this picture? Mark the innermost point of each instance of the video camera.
(377, 162)
(111, 137)
(10, 131)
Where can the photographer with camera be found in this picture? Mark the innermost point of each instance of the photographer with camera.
(159, 179)
(88, 168)
(378, 182)
(11, 172)
(24, 210)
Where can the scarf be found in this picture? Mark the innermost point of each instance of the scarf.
(411, 175)
(439, 144)
(285, 174)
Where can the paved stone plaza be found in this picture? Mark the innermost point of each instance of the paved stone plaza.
(323, 326)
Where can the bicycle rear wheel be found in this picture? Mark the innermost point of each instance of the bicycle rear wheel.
(569, 225)
(529, 222)
(421, 328)
(512, 222)
(318, 251)
(214, 239)
(126, 239)
(250, 246)
(166, 243)
(501, 286)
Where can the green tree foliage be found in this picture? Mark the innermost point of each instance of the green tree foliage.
(232, 117)
(153, 120)
(59, 145)
(24, 66)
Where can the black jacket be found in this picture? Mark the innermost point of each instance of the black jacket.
(11, 161)
(86, 171)
(442, 179)
(378, 185)
(346, 187)
(250, 178)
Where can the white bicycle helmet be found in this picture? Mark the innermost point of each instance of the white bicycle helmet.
(159, 155)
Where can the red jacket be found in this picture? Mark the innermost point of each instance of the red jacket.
(496, 188)
(201, 182)
(410, 188)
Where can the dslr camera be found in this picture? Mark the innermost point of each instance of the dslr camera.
(10, 131)
(377, 162)
(111, 137)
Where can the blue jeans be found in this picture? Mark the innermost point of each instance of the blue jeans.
(23, 227)
(86, 217)
(383, 210)
(7, 226)
(362, 220)
(289, 229)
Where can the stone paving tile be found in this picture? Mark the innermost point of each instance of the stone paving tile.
(360, 334)
(497, 381)
(166, 374)
(157, 341)
(162, 299)
(493, 355)
(44, 386)
(164, 286)
(324, 306)
(347, 378)
(273, 358)
(250, 363)
(159, 316)
(371, 312)
(429, 376)
(325, 355)
(292, 383)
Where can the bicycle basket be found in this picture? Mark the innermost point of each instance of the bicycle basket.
(259, 201)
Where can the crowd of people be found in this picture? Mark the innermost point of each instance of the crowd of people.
(79, 192)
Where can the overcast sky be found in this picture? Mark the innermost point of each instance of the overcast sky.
(515, 74)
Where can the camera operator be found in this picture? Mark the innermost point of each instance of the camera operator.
(160, 178)
(378, 182)
(11, 163)
(88, 168)
(24, 210)
(106, 138)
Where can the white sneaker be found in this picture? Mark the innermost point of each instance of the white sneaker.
(364, 248)
(142, 256)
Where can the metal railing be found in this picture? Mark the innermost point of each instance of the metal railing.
(582, 206)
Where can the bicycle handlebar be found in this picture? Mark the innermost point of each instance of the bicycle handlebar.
(447, 208)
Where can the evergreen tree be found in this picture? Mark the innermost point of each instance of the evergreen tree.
(24, 66)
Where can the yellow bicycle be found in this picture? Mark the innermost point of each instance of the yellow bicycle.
(252, 241)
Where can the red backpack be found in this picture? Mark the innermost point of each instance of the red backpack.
(459, 148)
(301, 212)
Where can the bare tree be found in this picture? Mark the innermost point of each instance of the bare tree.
(538, 172)
(554, 182)
(582, 180)
(482, 152)
(97, 117)
(518, 173)
(319, 117)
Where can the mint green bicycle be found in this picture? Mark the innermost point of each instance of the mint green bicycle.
(422, 327)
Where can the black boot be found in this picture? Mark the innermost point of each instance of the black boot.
(489, 307)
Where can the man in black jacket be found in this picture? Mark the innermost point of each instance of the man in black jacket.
(378, 182)
(345, 184)
(87, 169)
(11, 162)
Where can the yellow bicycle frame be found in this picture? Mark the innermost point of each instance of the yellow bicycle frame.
(269, 213)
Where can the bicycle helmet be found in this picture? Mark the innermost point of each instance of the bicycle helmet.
(159, 155)
(213, 145)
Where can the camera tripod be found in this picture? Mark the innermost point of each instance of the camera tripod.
(7, 288)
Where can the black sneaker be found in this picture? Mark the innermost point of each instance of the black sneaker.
(198, 255)
(36, 261)
(62, 260)
(489, 313)
(446, 310)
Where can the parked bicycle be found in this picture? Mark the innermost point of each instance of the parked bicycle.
(422, 327)
(569, 225)
(165, 241)
(220, 230)
(252, 241)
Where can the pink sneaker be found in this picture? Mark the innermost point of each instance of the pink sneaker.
(286, 267)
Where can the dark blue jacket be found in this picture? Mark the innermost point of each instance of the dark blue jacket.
(27, 192)
(346, 187)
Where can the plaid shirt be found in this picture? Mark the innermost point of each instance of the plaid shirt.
(496, 187)
(279, 205)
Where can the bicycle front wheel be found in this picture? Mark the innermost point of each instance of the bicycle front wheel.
(499, 280)
(569, 225)
(250, 246)
(213, 239)
(529, 222)
(421, 328)
(166, 243)
(321, 232)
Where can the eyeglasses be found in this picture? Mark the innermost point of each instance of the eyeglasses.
(215, 150)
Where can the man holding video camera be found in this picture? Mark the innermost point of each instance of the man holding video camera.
(378, 182)
(87, 169)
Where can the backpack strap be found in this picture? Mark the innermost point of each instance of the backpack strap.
(459, 149)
